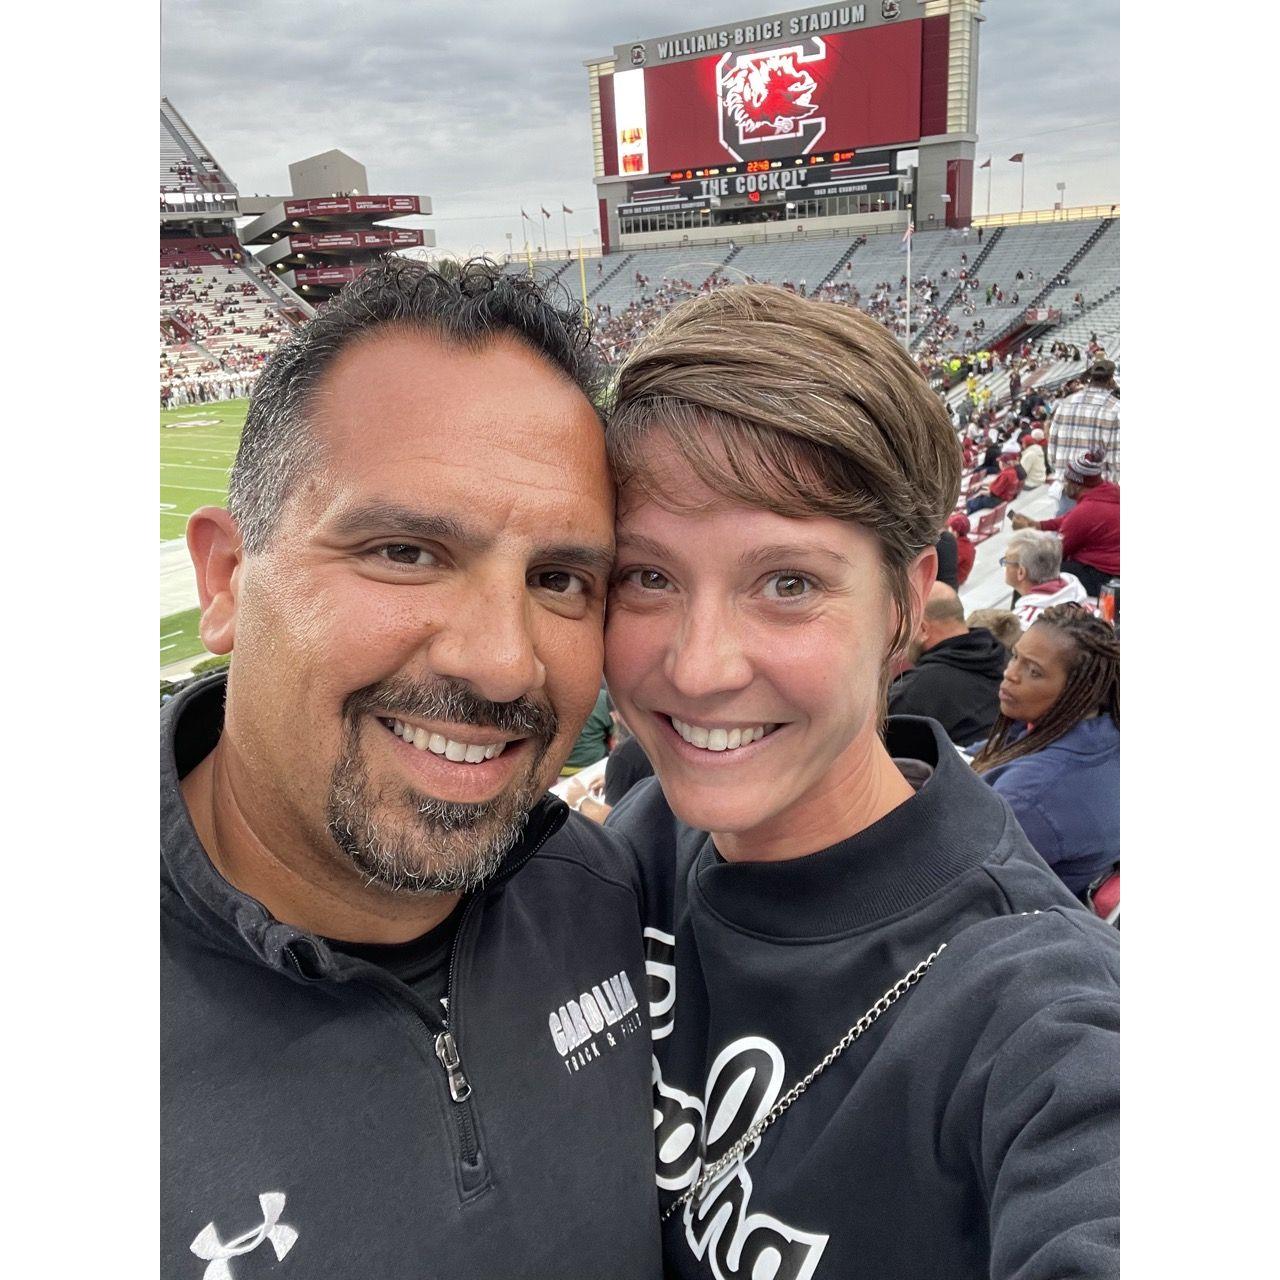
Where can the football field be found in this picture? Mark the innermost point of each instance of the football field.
(197, 446)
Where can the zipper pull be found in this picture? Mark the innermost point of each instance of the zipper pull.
(447, 1052)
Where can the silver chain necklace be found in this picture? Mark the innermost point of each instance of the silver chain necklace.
(863, 1024)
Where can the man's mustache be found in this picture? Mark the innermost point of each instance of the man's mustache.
(455, 702)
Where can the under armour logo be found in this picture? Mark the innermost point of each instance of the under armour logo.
(208, 1246)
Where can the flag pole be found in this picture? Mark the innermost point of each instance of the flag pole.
(564, 222)
(582, 275)
(989, 167)
(1022, 195)
(909, 239)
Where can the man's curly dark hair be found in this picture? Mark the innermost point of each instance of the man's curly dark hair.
(470, 303)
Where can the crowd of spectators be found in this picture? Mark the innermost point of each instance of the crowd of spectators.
(217, 326)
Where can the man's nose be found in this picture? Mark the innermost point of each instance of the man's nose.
(488, 641)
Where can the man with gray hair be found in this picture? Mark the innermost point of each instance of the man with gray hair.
(401, 1032)
(1032, 564)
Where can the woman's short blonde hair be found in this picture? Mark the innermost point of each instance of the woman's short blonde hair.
(798, 407)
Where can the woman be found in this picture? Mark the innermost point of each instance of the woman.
(1054, 753)
(783, 470)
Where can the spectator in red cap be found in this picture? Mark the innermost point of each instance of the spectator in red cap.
(1006, 485)
(1090, 531)
(958, 523)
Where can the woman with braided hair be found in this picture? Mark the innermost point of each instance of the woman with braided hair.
(1054, 753)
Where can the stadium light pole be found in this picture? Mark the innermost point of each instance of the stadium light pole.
(1062, 197)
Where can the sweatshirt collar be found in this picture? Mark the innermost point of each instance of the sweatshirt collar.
(949, 826)
(190, 724)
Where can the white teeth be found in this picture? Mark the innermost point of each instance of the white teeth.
(438, 744)
(720, 739)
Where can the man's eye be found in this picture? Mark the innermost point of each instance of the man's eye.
(406, 553)
(560, 581)
(648, 579)
(787, 586)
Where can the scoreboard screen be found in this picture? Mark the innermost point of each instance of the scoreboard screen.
(828, 94)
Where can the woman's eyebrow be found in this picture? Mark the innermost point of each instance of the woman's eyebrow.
(645, 546)
(782, 551)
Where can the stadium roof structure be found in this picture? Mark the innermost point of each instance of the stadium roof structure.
(192, 183)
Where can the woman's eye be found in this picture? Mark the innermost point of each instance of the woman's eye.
(648, 579)
(560, 581)
(787, 586)
(406, 553)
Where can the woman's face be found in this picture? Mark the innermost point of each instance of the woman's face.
(1036, 675)
(744, 650)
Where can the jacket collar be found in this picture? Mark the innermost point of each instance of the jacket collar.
(951, 825)
(190, 724)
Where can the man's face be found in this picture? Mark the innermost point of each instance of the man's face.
(1013, 574)
(419, 644)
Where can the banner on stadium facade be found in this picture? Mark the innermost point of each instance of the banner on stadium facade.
(350, 205)
(380, 238)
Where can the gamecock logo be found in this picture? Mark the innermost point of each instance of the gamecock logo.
(768, 97)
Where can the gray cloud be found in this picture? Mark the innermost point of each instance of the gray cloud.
(482, 105)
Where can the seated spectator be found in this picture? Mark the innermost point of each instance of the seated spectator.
(593, 741)
(1091, 529)
(948, 551)
(627, 765)
(1004, 624)
(957, 671)
(958, 523)
(1033, 461)
(1004, 487)
(1032, 564)
(1054, 753)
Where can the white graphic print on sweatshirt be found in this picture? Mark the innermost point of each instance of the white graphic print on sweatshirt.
(744, 1082)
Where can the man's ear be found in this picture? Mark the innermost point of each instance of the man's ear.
(213, 539)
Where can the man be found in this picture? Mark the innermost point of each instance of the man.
(1088, 419)
(956, 672)
(1032, 564)
(401, 1031)
(1091, 528)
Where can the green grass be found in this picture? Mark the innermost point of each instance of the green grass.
(180, 636)
(197, 446)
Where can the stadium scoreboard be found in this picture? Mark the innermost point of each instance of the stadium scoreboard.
(805, 107)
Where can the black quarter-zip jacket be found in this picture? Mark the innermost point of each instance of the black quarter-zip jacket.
(971, 1133)
(320, 1120)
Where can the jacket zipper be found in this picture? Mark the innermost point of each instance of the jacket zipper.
(446, 1045)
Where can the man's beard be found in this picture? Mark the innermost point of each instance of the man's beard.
(406, 842)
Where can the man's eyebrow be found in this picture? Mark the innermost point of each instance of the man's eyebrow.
(391, 519)
(581, 556)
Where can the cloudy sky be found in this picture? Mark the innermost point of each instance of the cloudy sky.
(482, 104)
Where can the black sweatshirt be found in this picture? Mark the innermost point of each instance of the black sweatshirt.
(955, 683)
(971, 1133)
(305, 1108)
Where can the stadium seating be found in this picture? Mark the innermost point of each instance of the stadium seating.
(217, 323)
